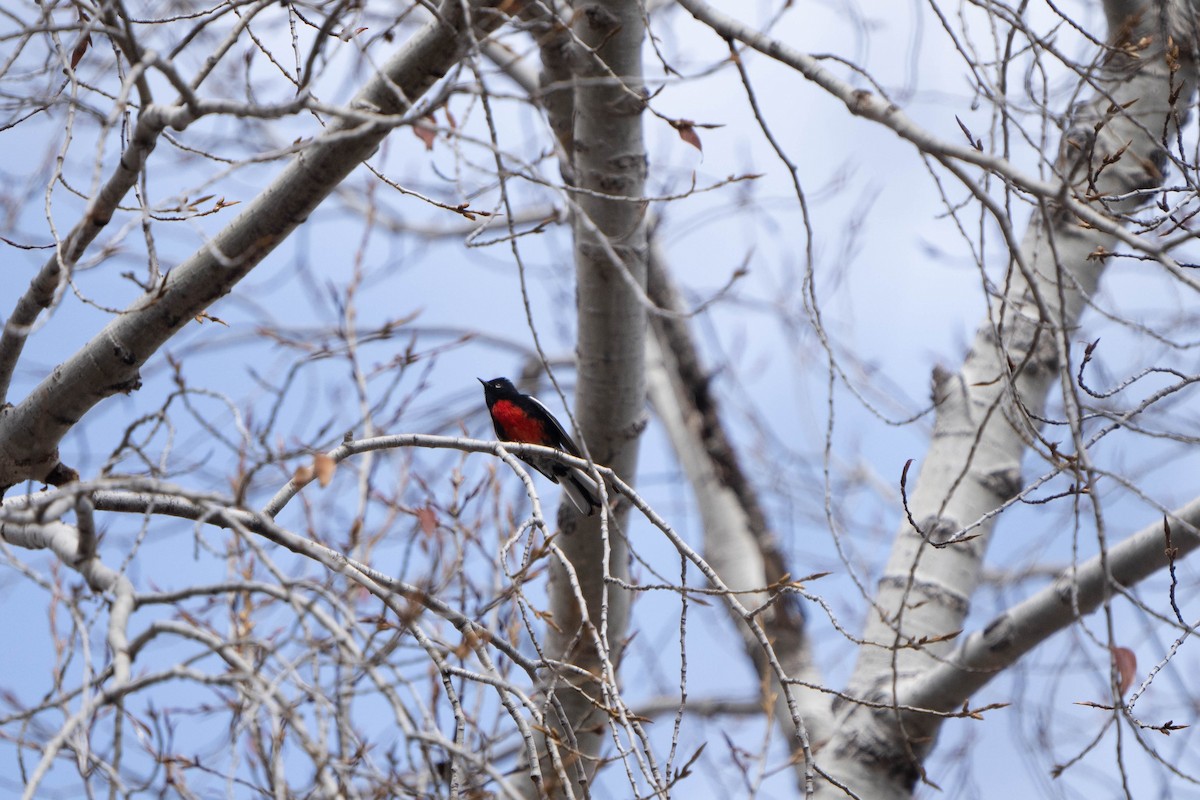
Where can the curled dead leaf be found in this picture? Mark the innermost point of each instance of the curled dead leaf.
(323, 467)
(1126, 663)
(428, 520)
(687, 132)
(425, 130)
(80, 49)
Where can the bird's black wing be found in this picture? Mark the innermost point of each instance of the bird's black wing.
(568, 444)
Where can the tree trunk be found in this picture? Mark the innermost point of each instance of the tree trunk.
(738, 544)
(609, 165)
(987, 413)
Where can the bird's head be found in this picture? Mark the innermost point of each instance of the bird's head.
(498, 389)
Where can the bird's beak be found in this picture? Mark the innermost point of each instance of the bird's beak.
(481, 380)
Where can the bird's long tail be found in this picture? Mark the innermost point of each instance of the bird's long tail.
(583, 491)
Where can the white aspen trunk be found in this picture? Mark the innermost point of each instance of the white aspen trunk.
(609, 164)
(986, 412)
(737, 543)
(1080, 589)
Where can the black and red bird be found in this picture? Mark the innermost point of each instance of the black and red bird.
(521, 418)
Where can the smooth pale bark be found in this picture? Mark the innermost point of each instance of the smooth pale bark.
(110, 362)
(608, 162)
(152, 119)
(983, 654)
(986, 411)
(737, 543)
(51, 278)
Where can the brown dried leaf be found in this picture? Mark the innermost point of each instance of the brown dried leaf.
(687, 132)
(80, 49)
(323, 468)
(428, 519)
(302, 475)
(426, 131)
(1126, 663)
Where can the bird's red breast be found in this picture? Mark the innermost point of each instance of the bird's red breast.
(517, 426)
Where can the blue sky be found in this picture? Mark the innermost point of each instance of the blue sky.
(899, 294)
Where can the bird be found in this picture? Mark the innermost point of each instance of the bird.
(522, 418)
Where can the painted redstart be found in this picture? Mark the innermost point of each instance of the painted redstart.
(521, 418)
